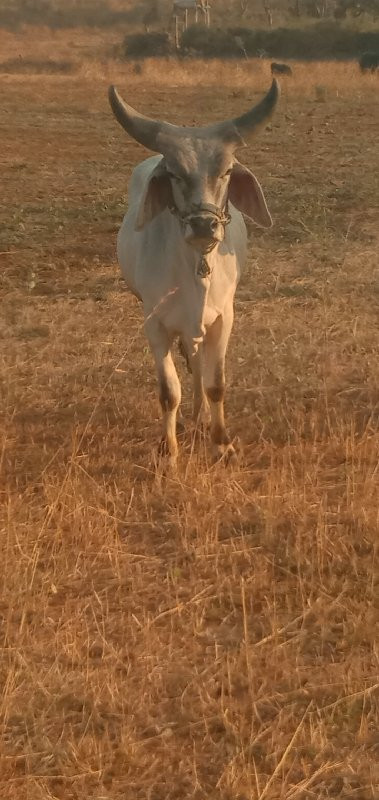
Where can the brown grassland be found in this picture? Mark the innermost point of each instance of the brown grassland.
(211, 635)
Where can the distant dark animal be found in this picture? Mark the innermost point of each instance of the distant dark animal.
(369, 61)
(280, 69)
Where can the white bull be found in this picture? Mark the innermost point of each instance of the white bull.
(182, 246)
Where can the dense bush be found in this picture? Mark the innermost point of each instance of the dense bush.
(209, 42)
(322, 40)
(142, 45)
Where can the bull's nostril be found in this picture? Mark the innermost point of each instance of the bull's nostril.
(204, 226)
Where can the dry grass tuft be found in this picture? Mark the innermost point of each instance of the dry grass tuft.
(213, 635)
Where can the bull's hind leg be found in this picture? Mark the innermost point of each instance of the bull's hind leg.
(215, 344)
(200, 410)
(194, 363)
(169, 386)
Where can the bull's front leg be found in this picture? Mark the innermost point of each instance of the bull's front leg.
(215, 345)
(168, 384)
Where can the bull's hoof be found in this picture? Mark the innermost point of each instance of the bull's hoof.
(231, 457)
(225, 454)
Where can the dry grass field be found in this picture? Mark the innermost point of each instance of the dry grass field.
(212, 635)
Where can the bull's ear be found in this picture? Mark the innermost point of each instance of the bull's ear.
(246, 194)
(156, 196)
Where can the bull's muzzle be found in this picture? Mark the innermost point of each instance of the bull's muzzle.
(204, 226)
(203, 231)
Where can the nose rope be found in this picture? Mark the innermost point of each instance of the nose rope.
(207, 209)
(222, 216)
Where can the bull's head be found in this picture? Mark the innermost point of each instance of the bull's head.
(199, 172)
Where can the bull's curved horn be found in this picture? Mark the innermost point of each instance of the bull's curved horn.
(143, 129)
(157, 135)
(257, 116)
